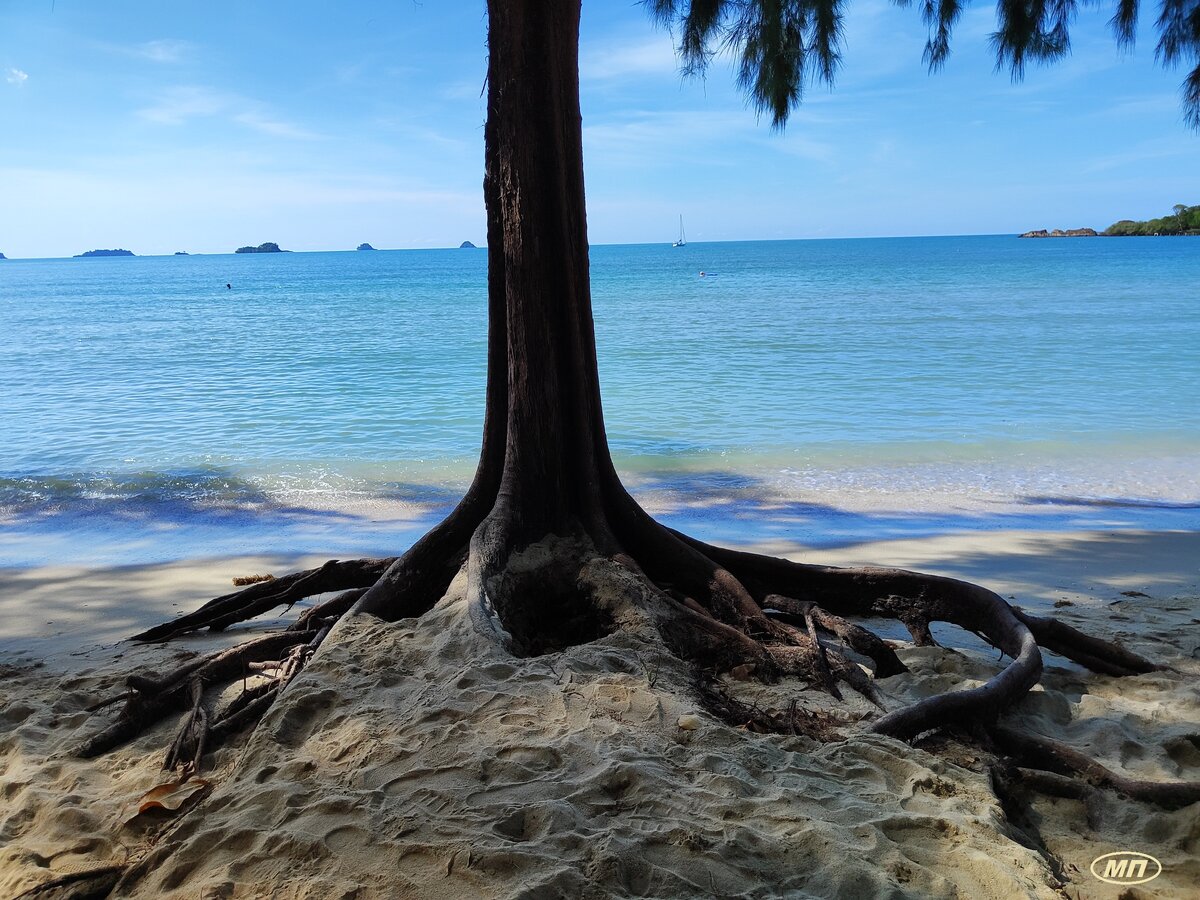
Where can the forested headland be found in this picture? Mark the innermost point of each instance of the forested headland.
(1182, 220)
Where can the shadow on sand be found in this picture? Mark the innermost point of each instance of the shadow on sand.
(103, 520)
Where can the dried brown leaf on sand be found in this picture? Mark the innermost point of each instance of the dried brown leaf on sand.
(173, 795)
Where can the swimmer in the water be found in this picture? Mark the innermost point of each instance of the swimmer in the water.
(229, 287)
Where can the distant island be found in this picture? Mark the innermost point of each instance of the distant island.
(1058, 232)
(104, 253)
(2, 256)
(1183, 220)
(182, 253)
(268, 247)
(364, 247)
(467, 245)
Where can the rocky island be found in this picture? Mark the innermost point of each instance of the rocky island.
(1058, 232)
(466, 245)
(364, 247)
(268, 247)
(2, 256)
(104, 253)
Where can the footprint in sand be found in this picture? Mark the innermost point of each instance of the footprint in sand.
(347, 838)
(304, 716)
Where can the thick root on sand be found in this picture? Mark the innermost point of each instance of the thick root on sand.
(724, 611)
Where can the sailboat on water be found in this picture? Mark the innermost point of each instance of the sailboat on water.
(682, 242)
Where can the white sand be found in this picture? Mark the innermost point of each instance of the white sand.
(419, 760)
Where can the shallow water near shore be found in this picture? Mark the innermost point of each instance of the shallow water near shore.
(821, 391)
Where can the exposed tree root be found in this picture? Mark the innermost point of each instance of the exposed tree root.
(1043, 755)
(794, 719)
(84, 885)
(1011, 791)
(221, 612)
(723, 610)
(857, 638)
(152, 699)
(1097, 655)
(188, 747)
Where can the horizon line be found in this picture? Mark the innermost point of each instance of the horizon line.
(663, 243)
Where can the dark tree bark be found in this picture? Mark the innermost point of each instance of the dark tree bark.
(545, 472)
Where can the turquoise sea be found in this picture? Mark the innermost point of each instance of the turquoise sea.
(821, 391)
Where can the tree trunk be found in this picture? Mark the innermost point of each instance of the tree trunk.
(534, 156)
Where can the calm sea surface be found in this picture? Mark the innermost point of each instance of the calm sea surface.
(811, 389)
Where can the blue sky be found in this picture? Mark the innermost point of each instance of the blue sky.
(204, 126)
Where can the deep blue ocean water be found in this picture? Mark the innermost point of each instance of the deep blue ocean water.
(816, 390)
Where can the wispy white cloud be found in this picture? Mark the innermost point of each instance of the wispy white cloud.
(646, 137)
(434, 139)
(793, 144)
(162, 51)
(664, 138)
(1137, 156)
(352, 72)
(181, 104)
(1159, 105)
(463, 89)
(655, 55)
(176, 105)
(15, 76)
(266, 125)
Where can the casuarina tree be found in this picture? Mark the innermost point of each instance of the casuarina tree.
(545, 474)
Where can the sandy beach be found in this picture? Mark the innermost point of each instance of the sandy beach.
(419, 760)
